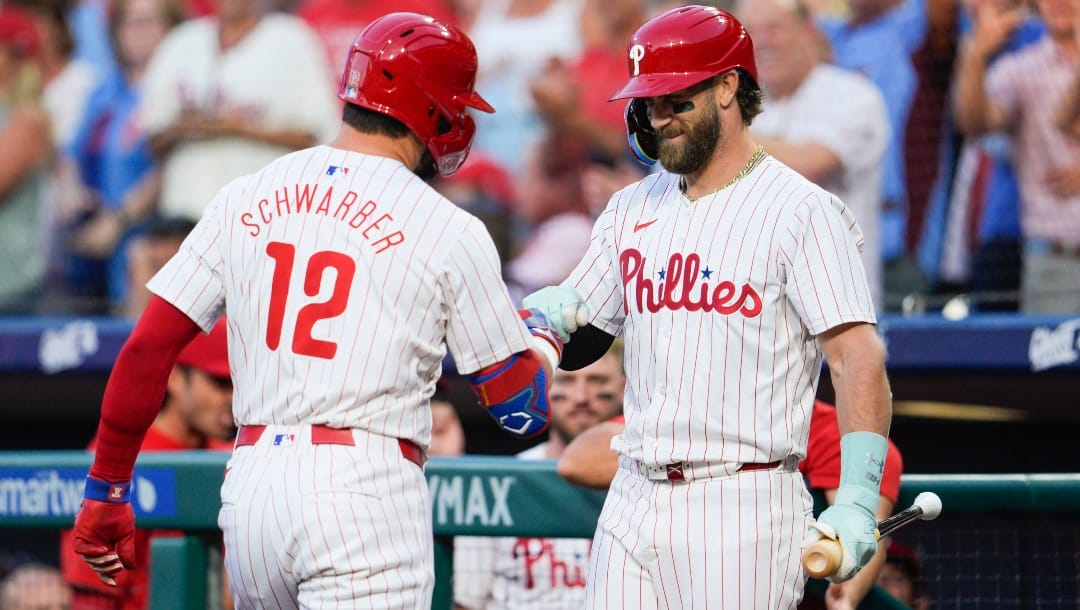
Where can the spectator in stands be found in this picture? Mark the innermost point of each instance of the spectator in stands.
(877, 39)
(516, 40)
(587, 131)
(113, 155)
(147, 254)
(25, 151)
(825, 122)
(66, 84)
(68, 81)
(902, 576)
(224, 95)
(88, 21)
(196, 414)
(35, 586)
(557, 224)
(543, 573)
(971, 233)
(337, 22)
(589, 460)
(1021, 94)
(933, 62)
(572, 97)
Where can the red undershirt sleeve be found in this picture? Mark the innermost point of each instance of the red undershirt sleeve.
(136, 387)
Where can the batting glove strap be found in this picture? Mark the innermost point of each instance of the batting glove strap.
(104, 491)
(862, 460)
(534, 318)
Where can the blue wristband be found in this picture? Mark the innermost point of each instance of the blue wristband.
(103, 491)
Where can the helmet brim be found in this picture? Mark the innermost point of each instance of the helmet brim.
(475, 101)
(655, 85)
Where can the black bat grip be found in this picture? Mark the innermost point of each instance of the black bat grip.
(900, 519)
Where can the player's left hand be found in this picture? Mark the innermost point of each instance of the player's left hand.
(104, 535)
(856, 530)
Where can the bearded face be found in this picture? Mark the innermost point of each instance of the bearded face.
(685, 147)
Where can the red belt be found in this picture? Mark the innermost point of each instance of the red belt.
(325, 435)
(768, 466)
(674, 472)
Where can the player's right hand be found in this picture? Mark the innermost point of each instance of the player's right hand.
(854, 527)
(563, 306)
(104, 535)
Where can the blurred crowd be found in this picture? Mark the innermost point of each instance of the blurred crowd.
(950, 127)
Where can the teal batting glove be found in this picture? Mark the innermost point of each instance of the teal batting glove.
(851, 519)
(563, 306)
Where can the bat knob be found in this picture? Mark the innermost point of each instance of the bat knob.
(822, 559)
(817, 564)
(582, 315)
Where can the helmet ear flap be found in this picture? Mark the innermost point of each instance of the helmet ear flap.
(640, 132)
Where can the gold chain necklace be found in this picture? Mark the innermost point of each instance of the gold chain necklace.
(756, 158)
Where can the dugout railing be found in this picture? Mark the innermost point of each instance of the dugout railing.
(1003, 541)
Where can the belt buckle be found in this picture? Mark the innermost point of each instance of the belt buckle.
(666, 472)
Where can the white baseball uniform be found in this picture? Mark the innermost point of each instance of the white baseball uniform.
(719, 301)
(524, 573)
(344, 275)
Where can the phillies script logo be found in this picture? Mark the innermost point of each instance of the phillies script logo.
(680, 277)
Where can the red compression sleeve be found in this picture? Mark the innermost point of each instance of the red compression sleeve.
(136, 387)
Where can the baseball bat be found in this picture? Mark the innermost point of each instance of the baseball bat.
(822, 558)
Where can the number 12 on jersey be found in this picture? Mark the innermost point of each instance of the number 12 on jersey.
(303, 343)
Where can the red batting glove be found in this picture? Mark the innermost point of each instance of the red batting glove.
(104, 536)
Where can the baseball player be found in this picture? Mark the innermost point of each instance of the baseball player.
(729, 276)
(196, 413)
(589, 461)
(345, 277)
(542, 573)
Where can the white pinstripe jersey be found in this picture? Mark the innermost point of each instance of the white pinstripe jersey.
(719, 301)
(344, 275)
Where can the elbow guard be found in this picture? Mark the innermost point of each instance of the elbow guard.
(515, 393)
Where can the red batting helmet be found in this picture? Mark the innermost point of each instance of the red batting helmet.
(420, 72)
(675, 50)
(683, 47)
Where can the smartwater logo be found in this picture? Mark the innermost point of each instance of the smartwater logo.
(58, 492)
(45, 493)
